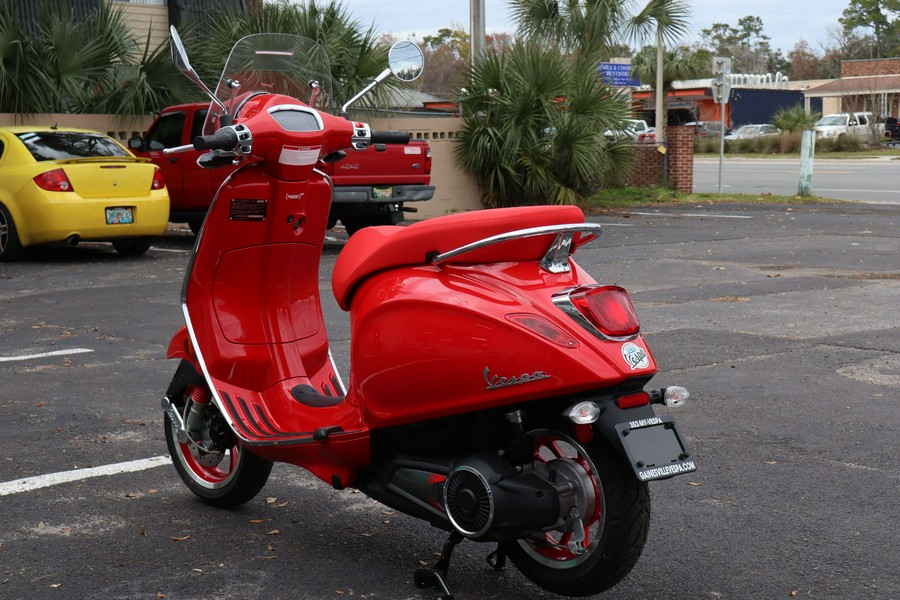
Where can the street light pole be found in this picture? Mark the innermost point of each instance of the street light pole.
(660, 98)
(476, 29)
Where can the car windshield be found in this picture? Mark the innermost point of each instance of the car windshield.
(60, 145)
(832, 120)
(745, 130)
(271, 63)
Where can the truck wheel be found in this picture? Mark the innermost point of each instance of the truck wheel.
(195, 225)
(354, 225)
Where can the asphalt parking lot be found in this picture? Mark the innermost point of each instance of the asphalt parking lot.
(784, 322)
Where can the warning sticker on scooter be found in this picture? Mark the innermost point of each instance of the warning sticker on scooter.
(247, 210)
(635, 356)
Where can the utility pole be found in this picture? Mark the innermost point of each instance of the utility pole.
(476, 29)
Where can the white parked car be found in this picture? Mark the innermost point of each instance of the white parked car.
(631, 129)
(859, 124)
(746, 132)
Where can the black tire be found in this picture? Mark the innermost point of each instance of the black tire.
(615, 531)
(10, 247)
(132, 246)
(195, 225)
(227, 477)
(354, 225)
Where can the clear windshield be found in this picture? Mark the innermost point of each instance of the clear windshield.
(271, 63)
(835, 120)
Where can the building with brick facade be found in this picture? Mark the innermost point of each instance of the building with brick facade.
(864, 85)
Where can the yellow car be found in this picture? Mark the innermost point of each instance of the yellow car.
(68, 185)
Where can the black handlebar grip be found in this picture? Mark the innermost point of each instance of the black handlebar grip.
(223, 139)
(390, 137)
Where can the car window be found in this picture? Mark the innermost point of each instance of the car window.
(863, 120)
(167, 130)
(197, 125)
(58, 145)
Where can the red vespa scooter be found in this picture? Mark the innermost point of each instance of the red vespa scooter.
(497, 391)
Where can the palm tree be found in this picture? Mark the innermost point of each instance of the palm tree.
(570, 24)
(599, 24)
(666, 20)
(533, 124)
(63, 63)
(678, 64)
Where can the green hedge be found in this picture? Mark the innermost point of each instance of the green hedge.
(784, 143)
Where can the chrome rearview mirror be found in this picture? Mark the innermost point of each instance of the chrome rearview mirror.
(180, 58)
(406, 61)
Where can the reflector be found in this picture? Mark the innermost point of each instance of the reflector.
(544, 328)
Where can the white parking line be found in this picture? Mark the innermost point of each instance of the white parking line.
(173, 250)
(45, 354)
(701, 215)
(41, 481)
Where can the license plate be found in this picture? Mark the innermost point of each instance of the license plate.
(655, 448)
(382, 193)
(119, 216)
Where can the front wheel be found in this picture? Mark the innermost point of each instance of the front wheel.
(615, 524)
(213, 463)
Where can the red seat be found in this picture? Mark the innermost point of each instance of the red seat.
(374, 249)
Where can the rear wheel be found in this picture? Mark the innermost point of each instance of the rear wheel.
(132, 246)
(615, 521)
(213, 463)
(10, 247)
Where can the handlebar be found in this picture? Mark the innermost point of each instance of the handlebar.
(223, 139)
(390, 137)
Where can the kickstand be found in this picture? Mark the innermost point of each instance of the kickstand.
(497, 559)
(436, 576)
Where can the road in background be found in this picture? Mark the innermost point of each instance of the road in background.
(872, 180)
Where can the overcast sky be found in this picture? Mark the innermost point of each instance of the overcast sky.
(784, 21)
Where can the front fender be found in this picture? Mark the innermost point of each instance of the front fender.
(182, 347)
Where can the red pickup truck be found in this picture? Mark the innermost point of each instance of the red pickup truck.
(370, 186)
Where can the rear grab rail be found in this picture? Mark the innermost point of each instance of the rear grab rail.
(556, 260)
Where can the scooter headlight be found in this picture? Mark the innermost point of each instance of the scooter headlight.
(583, 413)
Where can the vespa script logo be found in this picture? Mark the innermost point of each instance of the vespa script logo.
(495, 381)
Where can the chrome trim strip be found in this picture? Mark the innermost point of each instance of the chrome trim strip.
(551, 260)
(562, 300)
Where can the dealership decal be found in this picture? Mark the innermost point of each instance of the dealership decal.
(667, 471)
(635, 356)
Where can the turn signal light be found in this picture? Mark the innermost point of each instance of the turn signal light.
(609, 309)
(54, 181)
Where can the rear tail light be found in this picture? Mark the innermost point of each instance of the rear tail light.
(158, 181)
(428, 161)
(609, 309)
(54, 181)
